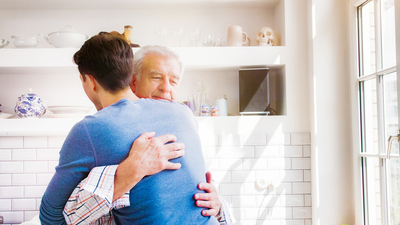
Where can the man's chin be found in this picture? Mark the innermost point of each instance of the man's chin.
(159, 98)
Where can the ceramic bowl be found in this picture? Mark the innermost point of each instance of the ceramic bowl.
(66, 38)
(29, 106)
(3, 43)
(26, 42)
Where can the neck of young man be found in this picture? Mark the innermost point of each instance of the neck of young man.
(106, 98)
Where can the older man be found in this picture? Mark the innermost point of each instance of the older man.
(157, 75)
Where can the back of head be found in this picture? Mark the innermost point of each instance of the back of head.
(108, 58)
(155, 50)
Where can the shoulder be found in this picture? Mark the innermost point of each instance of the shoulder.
(78, 127)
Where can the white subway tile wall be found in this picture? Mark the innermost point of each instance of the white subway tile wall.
(237, 162)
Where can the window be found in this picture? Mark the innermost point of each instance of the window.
(378, 105)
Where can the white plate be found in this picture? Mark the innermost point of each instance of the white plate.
(5, 115)
(70, 109)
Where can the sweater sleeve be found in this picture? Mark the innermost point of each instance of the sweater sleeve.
(76, 160)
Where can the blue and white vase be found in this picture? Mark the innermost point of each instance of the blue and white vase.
(29, 106)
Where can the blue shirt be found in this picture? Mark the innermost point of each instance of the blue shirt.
(106, 138)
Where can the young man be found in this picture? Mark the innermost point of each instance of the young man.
(105, 65)
(157, 74)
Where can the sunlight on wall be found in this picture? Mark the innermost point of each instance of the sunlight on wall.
(278, 60)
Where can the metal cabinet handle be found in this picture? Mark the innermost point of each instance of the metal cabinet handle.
(391, 139)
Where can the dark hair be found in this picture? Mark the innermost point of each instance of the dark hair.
(108, 58)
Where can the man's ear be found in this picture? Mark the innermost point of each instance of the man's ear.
(133, 83)
(92, 82)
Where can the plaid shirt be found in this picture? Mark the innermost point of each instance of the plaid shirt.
(91, 201)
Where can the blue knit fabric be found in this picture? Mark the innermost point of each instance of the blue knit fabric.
(106, 138)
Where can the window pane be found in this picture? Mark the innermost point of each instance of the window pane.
(368, 38)
(388, 34)
(391, 109)
(370, 118)
(372, 191)
(394, 191)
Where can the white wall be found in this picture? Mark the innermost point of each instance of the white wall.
(332, 170)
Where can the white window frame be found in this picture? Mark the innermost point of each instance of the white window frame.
(356, 112)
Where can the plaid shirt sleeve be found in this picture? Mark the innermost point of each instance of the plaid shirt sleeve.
(91, 201)
(224, 216)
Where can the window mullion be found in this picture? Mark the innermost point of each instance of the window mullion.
(384, 191)
(381, 128)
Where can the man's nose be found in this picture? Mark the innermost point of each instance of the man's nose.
(165, 86)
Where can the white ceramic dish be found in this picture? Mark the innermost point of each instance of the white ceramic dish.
(68, 110)
(66, 38)
(5, 115)
(26, 42)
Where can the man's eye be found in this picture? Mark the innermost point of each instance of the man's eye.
(174, 82)
(156, 78)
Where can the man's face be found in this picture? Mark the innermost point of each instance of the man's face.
(159, 79)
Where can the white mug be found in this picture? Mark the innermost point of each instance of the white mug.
(236, 36)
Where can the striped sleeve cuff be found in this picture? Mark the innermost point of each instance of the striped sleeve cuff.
(100, 182)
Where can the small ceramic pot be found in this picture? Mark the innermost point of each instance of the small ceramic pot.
(29, 106)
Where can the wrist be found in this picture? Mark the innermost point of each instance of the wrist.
(126, 177)
(127, 173)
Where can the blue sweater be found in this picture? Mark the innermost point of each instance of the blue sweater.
(106, 138)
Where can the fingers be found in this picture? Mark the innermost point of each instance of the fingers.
(209, 199)
(203, 197)
(208, 177)
(175, 154)
(166, 138)
(174, 146)
(204, 204)
(212, 206)
(147, 135)
(210, 212)
(206, 187)
(172, 166)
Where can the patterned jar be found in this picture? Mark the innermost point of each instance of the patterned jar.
(29, 106)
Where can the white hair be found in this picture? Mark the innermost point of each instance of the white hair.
(158, 50)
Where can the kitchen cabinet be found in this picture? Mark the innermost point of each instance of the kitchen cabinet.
(52, 75)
